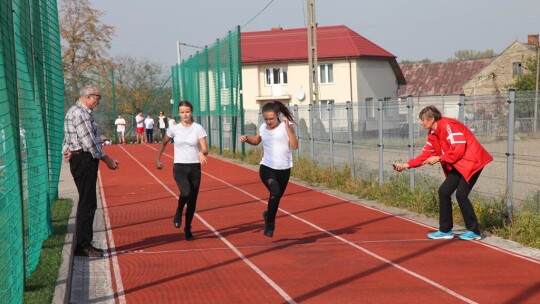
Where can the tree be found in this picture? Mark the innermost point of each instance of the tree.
(141, 86)
(527, 81)
(471, 55)
(85, 44)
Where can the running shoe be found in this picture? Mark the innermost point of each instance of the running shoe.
(469, 236)
(441, 235)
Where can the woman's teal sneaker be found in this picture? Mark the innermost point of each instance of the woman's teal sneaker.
(469, 236)
(441, 235)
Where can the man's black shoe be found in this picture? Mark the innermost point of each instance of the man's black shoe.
(89, 252)
(97, 249)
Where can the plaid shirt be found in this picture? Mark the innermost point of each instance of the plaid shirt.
(80, 132)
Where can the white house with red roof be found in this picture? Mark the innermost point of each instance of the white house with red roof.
(351, 68)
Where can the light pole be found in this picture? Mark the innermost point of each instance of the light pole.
(535, 121)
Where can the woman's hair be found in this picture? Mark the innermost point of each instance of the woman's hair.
(185, 103)
(430, 112)
(278, 107)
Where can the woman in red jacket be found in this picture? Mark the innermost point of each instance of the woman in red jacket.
(462, 158)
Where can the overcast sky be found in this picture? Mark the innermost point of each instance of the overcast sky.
(409, 29)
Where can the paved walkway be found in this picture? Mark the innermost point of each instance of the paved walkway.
(82, 280)
(88, 280)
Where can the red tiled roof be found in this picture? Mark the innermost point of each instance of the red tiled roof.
(290, 45)
(439, 78)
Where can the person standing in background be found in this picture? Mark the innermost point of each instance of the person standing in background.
(190, 150)
(121, 129)
(149, 126)
(163, 124)
(82, 149)
(171, 122)
(139, 119)
(278, 138)
(462, 159)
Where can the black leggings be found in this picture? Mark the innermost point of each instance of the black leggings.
(276, 182)
(188, 179)
(456, 182)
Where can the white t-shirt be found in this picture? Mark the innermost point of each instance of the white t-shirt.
(149, 123)
(120, 124)
(186, 142)
(161, 123)
(277, 154)
(140, 121)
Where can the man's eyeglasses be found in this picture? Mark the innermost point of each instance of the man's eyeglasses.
(97, 96)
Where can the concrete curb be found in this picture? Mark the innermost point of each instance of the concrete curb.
(66, 190)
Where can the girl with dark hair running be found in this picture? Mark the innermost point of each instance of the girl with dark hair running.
(275, 169)
(190, 150)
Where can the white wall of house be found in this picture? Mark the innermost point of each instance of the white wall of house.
(376, 80)
(351, 80)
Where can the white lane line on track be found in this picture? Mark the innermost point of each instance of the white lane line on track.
(112, 246)
(307, 244)
(268, 280)
(366, 251)
(517, 255)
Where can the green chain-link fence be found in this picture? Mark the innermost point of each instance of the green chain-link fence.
(212, 81)
(31, 133)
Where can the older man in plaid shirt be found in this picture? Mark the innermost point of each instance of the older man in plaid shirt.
(82, 148)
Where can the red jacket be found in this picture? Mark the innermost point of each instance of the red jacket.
(457, 147)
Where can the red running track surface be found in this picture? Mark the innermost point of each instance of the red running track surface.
(325, 249)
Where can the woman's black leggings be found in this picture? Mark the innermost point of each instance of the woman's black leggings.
(188, 179)
(276, 182)
(456, 182)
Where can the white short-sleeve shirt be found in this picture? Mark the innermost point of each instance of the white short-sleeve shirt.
(277, 153)
(186, 142)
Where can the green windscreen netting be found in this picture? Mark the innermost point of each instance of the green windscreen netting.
(211, 81)
(31, 133)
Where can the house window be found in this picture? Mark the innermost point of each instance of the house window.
(323, 109)
(276, 75)
(326, 73)
(370, 108)
(517, 69)
(387, 105)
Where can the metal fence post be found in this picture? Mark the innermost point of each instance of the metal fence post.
(510, 157)
(350, 127)
(312, 132)
(461, 104)
(329, 108)
(298, 130)
(381, 143)
(410, 107)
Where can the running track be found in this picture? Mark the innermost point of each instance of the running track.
(325, 249)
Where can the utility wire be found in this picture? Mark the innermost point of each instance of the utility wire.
(257, 14)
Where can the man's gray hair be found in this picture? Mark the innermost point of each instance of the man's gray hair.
(87, 90)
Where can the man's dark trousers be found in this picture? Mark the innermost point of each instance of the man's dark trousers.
(84, 169)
